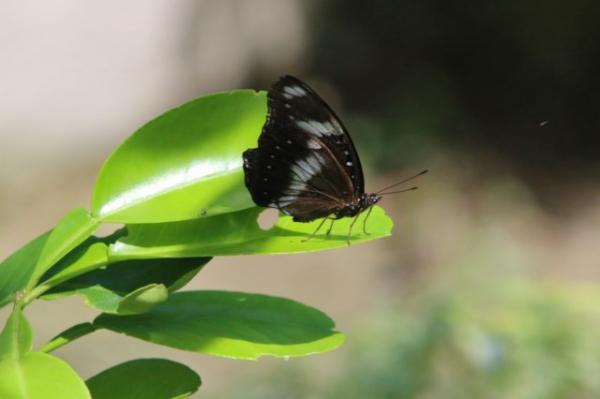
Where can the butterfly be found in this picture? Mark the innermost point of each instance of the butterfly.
(306, 164)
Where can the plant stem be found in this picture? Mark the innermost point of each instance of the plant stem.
(33, 294)
(67, 336)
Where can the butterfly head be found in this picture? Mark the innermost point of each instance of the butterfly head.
(364, 201)
(367, 200)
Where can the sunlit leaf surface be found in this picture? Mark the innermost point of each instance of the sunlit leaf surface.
(28, 375)
(239, 233)
(40, 376)
(183, 164)
(16, 337)
(231, 324)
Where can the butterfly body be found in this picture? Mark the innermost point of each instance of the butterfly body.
(306, 164)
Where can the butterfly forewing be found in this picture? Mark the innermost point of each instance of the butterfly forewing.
(293, 102)
(305, 163)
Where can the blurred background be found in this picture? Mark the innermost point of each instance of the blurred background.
(489, 286)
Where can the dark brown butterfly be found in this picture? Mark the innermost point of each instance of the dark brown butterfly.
(306, 164)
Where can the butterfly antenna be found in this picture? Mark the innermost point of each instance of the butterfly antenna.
(403, 181)
(400, 191)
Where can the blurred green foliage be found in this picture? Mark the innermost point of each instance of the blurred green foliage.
(514, 340)
(472, 316)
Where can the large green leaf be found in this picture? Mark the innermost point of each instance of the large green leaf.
(184, 164)
(132, 286)
(16, 337)
(145, 379)
(231, 324)
(71, 231)
(40, 376)
(33, 375)
(239, 233)
(17, 269)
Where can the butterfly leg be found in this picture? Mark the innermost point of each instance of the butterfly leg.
(350, 228)
(330, 227)
(365, 221)
(314, 233)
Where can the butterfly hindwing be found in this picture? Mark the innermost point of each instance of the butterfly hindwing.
(305, 163)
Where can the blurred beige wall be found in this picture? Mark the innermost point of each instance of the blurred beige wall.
(79, 77)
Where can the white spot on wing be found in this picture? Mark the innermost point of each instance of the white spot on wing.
(313, 144)
(313, 162)
(293, 91)
(317, 128)
(296, 186)
(286, 200)
(301, 173)
(307, 167)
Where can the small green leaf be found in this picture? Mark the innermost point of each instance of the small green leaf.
(16, 270)
(71, 231)
(143, 299)
(238, 233)
(185, 164)
(105, 289)
(231, 324)
(16, 338)
(40, 376)
(69, 335)
(145, 379)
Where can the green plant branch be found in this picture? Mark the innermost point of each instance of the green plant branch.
(68, 336)
(33, 294)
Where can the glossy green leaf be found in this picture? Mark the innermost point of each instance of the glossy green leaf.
(231, 324)
(33, 375)
(105, 289)
(71, 231)
(239, 233)
(145, 379)
(16, 337)
(40, 376)
(184, 164)
(17, 269)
